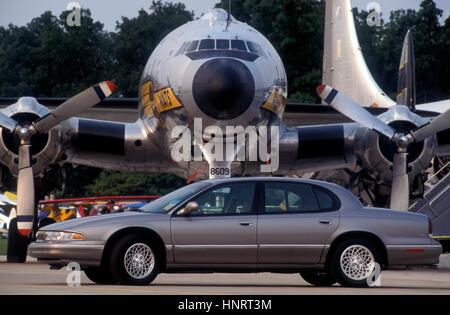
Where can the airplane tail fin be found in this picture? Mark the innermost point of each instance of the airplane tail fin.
(344, 67)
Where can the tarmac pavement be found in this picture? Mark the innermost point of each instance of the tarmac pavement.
(34, 278)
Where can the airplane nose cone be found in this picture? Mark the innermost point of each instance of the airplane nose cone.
(223, 88)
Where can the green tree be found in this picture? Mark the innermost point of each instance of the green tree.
(86, 58)
(370, 38)
(113, 183)
(427, 42)
(76, 180)
(136, 38)
(22, 49)
(444, 73)
(49, 59)
(382, 48)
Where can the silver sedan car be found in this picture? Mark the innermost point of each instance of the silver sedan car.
(317, 229)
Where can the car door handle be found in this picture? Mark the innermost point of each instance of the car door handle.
(246, 223)
(326, 222)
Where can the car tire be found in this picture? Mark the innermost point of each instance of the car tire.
(133, 261)
(353, 263)
(99, 275)
(318, 278)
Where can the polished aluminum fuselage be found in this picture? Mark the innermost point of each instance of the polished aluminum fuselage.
(251, 242)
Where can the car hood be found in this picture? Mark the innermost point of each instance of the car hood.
(103, 220)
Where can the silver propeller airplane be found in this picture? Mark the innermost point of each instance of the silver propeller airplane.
(218, 76)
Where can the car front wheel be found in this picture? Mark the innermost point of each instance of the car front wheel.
(133, 261)
(99, 275)
(319, 278)
(354, 263)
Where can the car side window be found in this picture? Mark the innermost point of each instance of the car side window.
(325, 199)
(289, 197)
(229, 199)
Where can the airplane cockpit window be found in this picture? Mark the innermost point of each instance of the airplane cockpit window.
(238, 45)
(254, 48)
(222, 44)
(206, 44)
(193, 46)
(206, 48)
(182, 49)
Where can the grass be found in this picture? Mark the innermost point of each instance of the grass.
(3, 246)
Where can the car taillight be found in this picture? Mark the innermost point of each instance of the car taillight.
(430, 227)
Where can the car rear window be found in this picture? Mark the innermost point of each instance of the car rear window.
(325, 199)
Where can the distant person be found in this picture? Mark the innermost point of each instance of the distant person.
(441, 167)
(108, 209)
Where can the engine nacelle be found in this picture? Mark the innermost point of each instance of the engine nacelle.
(46, 148)
(377, 151)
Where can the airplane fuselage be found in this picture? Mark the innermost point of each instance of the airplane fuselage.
(227, 75)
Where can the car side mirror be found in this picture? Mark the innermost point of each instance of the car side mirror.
(189, 208)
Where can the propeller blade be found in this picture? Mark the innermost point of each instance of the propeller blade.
(438, 124)
(352, 110)
(75, 105)
(25, 192)
(7, 122)
(400, 184)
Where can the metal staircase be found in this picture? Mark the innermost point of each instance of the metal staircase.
(436, 205)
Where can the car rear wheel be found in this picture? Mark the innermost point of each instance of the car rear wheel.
(133, 261)
(354, 263)
(318, 278)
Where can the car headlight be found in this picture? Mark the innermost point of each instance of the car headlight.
(59, 236)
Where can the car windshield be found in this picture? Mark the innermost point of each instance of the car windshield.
(170, 201)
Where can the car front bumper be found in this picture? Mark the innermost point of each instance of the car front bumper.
(63, 253)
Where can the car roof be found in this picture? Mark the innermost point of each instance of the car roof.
(271, 179)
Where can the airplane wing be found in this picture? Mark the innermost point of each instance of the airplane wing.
(310, 114)
(438, 107)
(109, 103)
